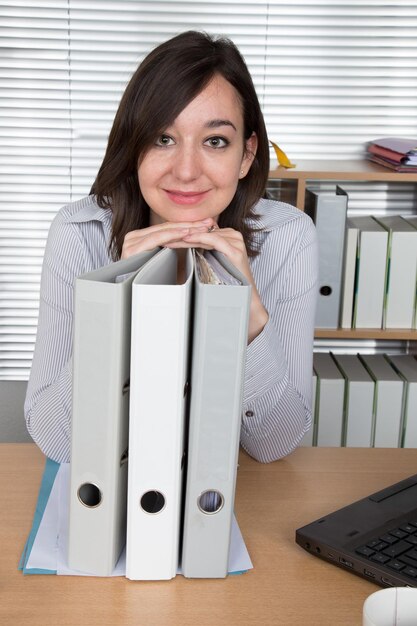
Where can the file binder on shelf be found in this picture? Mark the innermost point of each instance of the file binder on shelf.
(101, 365)
(329, 401)
(218, 359)
(359, 398)
(387, 402)
(328, 212)
(406, 366)
(371, 273)
(402, 272)
(160, 337)
(349, 272)
(412, 219)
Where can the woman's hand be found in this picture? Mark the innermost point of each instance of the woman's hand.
(230, 242)
(161, 235)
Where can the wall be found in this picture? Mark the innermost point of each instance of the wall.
(12, 421)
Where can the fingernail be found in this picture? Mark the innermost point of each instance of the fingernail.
(208, 220)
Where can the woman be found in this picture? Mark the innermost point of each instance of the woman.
(186, 166)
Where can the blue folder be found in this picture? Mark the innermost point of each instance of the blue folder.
(48, 478)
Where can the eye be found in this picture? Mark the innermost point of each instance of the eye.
(217, 142)
(164, 140)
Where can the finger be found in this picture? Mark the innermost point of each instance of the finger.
(134, 237)
(154, 240)
(161, 238)
(215, 239)
(184, 244)
(232, 247)
(206, 223)
(180, 244)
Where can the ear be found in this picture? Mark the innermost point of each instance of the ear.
(251, 146)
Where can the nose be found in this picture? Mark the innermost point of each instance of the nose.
(187, 166)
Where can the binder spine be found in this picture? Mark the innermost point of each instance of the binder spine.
(328, 212)
(218, 358)
(160, 329)
(99, 427)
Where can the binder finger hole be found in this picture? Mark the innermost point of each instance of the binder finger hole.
(325, 290)
(152, 502)
(210, 502)
(89, 495)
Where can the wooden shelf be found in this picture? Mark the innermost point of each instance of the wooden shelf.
(340, 170)
(336, 170)
(402, 334)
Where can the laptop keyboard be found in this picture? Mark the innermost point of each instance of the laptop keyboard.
(397, 549)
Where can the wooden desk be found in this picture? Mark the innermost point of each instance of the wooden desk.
(287, 586)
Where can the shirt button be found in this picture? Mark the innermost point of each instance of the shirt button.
(249, 413)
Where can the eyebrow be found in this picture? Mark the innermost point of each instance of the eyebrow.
(217, 123)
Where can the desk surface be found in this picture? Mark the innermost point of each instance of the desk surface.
(286, 587)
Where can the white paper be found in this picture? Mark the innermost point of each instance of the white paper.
(44, 551)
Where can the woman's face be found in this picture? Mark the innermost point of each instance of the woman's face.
(192, 170)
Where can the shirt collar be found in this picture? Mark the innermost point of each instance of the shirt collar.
(89, 211)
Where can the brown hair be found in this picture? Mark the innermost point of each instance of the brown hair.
(167, 80)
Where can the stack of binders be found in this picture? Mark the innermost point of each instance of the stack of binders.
(158, 474)
(367, 265)
(364, 400)
(380, 273)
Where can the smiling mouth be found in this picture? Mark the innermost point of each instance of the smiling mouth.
(185, 197)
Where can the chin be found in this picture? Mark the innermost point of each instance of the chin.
(190, 215)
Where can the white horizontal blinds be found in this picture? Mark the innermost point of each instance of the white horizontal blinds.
(108, 40)
(329, 75)
(34, 163)
(376, 198)
(339, 74)
(64, 65)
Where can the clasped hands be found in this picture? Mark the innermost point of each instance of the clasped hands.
(207, 235)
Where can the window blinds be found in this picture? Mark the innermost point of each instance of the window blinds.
(329, 75)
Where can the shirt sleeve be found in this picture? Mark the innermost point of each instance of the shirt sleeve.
(49, 393)
(278, 376)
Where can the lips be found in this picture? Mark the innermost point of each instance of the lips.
(185, 197)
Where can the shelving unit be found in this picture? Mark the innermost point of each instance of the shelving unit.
(295, 182)
(401, 334)
(308, 171)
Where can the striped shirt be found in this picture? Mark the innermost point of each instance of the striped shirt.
(278, 375)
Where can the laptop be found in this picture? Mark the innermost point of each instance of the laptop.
(375, 537)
